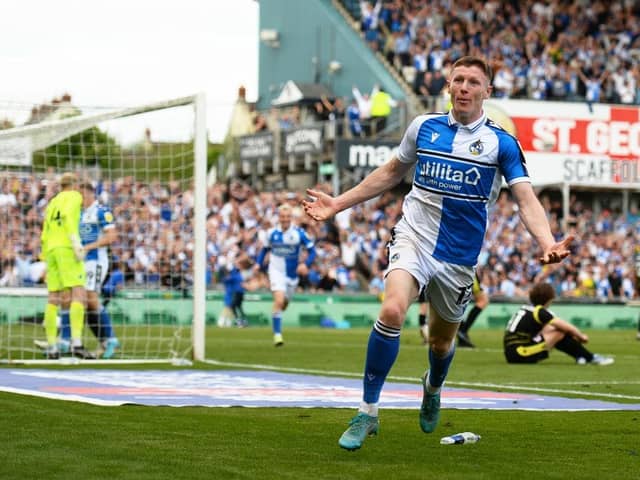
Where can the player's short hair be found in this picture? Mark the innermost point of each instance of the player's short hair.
(244, 261)
(541, 293)
(285, 207)
(472, 61)
(87, 186)
(68, 179)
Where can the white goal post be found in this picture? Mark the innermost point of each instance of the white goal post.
(149, 166)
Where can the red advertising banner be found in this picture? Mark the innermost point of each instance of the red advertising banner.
(571, 142)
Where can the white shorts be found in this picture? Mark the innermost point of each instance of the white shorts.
(96, 271)
(281, 283)
(446, 286)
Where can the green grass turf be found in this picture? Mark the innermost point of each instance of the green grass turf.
(53, 439)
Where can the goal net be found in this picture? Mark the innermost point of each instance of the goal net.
(147, 165)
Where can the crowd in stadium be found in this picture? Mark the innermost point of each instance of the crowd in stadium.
(155, 247)
(540, 49)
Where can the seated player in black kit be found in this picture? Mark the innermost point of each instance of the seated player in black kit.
(534, 331)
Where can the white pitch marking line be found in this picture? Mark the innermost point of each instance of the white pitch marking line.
(549, 390)
(589, 382)
(413, 379)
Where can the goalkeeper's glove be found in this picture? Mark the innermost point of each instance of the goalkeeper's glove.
(78, 249)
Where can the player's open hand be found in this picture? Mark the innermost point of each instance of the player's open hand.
(321, 208)
(302, 270)
(557, 252)
(582, 338)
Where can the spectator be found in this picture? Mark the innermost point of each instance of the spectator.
(503, 82)
(364, 106)
(369, 23)
(353, 115)
(536, 43)
(9, 273)
(236, 213)
(436, 89)
(328, 279)
(381, 105)
(400, 53)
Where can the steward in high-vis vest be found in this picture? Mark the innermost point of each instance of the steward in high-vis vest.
(381, 104)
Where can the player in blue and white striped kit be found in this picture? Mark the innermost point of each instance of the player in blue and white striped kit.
(284, 243)
(460, 159)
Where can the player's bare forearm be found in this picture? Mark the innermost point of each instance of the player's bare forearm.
(535, 220)
(570, 329)
(380, 180)
(377, 182)
(533, 215)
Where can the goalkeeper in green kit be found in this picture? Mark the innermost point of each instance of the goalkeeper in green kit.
(64, 254)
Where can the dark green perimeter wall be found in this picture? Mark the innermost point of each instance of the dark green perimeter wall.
(310, 310)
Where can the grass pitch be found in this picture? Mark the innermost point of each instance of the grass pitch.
(54, 439)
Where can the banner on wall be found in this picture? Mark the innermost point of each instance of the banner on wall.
(259, 146)
(364, 153)
(569, 142)
(303, 140)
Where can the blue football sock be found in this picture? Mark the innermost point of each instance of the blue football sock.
(105, 324)
(276, 322)
(65, 325)
(382, 351)
(439, 367)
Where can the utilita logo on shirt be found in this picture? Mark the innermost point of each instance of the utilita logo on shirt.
(284, 250)
(436, 173)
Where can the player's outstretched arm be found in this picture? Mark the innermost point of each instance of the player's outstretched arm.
(380, 180)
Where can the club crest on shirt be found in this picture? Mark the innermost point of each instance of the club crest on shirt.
(476, 148)
(394, 257)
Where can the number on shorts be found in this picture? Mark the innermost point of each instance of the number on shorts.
(465, 293)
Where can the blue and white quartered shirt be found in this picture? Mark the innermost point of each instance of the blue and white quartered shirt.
(459, 170)
(93, 221)
(285, 250)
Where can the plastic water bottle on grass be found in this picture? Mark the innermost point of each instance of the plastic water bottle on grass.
(460, 438)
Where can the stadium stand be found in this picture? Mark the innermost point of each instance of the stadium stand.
(351, 251)
(570, 51)
(540, 50)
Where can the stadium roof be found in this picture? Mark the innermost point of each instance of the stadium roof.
(294, 92)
